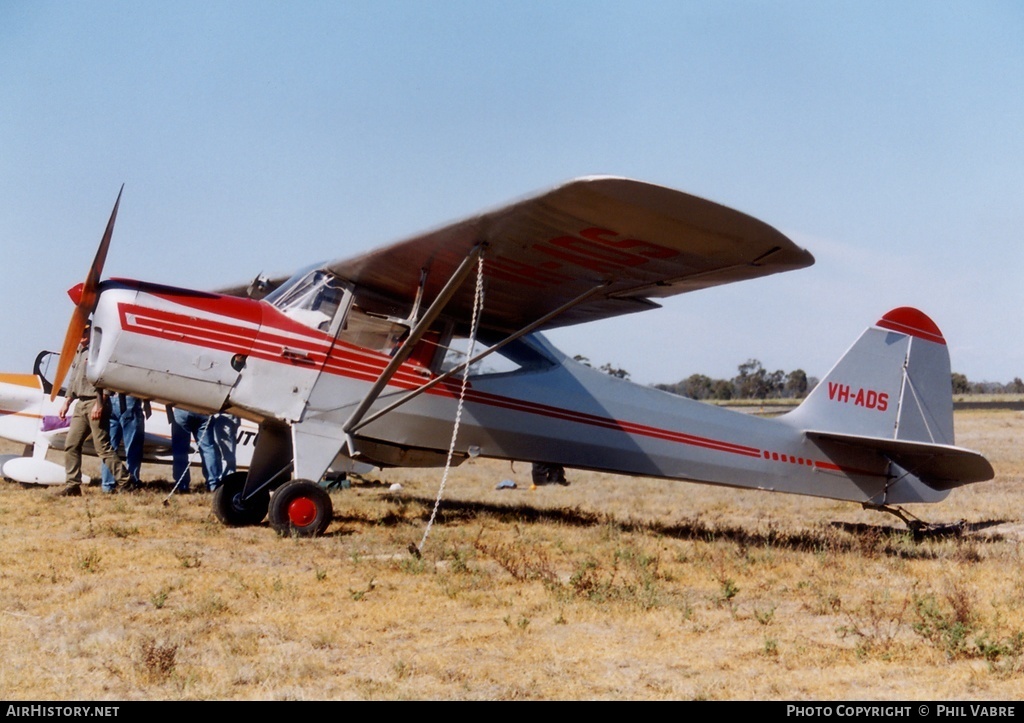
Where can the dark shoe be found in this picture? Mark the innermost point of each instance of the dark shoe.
(182, 490)
(69, 491)
(110, 490)
(556, 474)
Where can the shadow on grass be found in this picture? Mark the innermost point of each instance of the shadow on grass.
(893, 540)
(837, 537)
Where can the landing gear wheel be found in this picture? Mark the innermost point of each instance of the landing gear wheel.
(301, 508)
(229, 507)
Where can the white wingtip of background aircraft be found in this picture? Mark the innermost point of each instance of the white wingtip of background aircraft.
(360, 359)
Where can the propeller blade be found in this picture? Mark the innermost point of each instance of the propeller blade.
(92, 279)
(67, 352)
(85, 303)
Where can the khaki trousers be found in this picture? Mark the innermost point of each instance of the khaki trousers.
(83, 427)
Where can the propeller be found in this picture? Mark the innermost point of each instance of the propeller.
(84, 296)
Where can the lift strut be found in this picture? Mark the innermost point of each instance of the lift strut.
(351, 427)
(415, 334)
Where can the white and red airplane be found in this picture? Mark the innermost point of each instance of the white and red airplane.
(380, 357)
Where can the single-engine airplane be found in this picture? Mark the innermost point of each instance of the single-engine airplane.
(379, 358)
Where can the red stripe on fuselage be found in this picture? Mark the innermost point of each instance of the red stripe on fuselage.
(208, 333)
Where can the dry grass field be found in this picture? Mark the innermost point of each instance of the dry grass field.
(612, 588)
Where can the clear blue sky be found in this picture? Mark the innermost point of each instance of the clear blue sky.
(885, 137)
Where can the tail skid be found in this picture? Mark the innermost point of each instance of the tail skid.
(891, 395)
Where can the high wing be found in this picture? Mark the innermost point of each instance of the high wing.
(643, 241)
(634, 241)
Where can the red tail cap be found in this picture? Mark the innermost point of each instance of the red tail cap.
(907, 320)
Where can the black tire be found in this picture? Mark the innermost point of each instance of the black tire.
(301, 508)
(229, 507)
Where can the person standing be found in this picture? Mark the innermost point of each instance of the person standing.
(128, 416)
(186, 426)
(89, 420)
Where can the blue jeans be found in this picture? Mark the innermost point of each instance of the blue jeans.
(225, 435)
(127, 425)
(187, 426)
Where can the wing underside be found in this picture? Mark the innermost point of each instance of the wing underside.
(635, 241)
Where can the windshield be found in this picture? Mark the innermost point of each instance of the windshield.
(311, 297)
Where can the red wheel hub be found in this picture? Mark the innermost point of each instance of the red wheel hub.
(301, 511)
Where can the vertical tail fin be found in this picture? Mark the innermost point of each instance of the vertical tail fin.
(893, 383)
(890, 398)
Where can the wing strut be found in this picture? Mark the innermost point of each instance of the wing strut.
(435, 309)
(469, 362)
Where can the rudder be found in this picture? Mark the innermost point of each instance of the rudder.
(893, 383)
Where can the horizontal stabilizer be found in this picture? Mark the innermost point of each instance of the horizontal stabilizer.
(940, 466)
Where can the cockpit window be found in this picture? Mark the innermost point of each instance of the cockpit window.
(312, 297)
(514, 356)
(44, 368)
(373, 331)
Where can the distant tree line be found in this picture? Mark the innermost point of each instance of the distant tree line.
(606, 368)
(752, 382)
(961, 385)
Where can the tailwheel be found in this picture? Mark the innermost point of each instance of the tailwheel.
(301, 508)
(232, 510)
